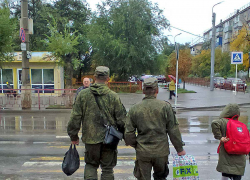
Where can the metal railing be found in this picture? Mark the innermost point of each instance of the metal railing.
(44, 98)
(39, 98)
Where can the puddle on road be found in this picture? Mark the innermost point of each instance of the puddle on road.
(202, 124)
(34, 123)
(58, 123)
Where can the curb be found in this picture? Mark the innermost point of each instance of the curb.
(207, 107)
(36, 111)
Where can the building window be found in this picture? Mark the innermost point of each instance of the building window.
(6, 75)
(42, 79)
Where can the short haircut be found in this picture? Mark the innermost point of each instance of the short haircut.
(102, 78)
(149, 90)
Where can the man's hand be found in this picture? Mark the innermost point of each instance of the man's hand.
(75, 142)
(182, 153)
(224, 139)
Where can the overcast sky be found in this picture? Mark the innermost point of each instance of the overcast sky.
(194, 16)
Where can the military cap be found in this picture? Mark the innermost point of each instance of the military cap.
(102, 71)
(151, 82)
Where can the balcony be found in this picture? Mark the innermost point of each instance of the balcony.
(226, 41)
(219, 34)
(238, 25)
(228, 29)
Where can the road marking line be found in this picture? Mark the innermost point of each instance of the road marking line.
(13, 142)
(122, 158)
(81, 170)
(62, 137)
(67, 147)
(81, 158)
(59, 164)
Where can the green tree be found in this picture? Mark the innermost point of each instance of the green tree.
(222, 63)
(63, 45)
(77, 16)
(67, 39)
(7, 27)
(184, 64)
(124, 34)
(201, 64)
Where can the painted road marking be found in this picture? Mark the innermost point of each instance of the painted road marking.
(47, 158)
(13, 142)
(122, 158)
(57, 163)
(183, 134)
(81, 170)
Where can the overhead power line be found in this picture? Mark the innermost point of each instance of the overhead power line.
(187, 32)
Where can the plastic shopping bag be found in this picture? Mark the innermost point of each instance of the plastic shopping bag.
(185, 168)
(71, 161)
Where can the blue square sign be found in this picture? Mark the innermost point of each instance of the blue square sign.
(237, 58)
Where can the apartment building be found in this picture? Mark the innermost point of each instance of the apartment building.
(230, 27)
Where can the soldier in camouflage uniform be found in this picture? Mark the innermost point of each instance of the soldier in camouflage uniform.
(86, 112)
(154, 121)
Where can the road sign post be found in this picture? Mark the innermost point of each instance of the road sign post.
(236, 58)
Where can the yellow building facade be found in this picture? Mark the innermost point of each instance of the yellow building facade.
(45, 73)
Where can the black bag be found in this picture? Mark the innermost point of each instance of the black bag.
(112, 136)
(71, 161)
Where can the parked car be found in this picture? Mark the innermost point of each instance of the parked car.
(161, 78)
(241, 85)
(228, 84)
(145, 77)
(133, 79)
(218, 83)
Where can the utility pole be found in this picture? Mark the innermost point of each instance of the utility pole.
(248, 65)
(212, 54)
(176, 78)
(26, 94)
(213, 49)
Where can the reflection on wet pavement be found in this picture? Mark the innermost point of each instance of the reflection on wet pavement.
(58, 123)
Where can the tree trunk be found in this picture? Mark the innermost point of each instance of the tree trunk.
(184, 85)
(68, 78)
(68, 72)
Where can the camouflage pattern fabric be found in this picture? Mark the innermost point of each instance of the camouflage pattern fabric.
(144, 166)
(153, 120)
(151, 82)
(228, 163)
(99, 154)
(79, 90)
(85, 112)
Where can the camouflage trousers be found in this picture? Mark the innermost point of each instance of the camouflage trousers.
(144, 165)
(99, 155)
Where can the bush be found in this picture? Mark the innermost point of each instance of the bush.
(124, 88)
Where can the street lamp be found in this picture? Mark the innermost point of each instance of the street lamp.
(168, 39)
(213, 48)
(177, 58)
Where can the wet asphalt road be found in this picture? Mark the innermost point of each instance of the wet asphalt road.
(32, 146)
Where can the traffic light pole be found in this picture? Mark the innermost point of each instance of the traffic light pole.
(26, 94)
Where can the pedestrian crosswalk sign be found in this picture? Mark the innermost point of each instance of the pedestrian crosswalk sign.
(237, 58)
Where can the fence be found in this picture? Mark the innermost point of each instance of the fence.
(40, 98)
(43, 98)
(206, 83)
(198, 81)
(127, 87)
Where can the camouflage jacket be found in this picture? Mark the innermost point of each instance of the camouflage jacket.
(79, 90)
(86, 113)
(153, 120)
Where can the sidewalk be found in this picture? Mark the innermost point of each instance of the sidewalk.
(204, 98)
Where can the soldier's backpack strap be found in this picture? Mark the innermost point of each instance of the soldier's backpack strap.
(105, 121)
